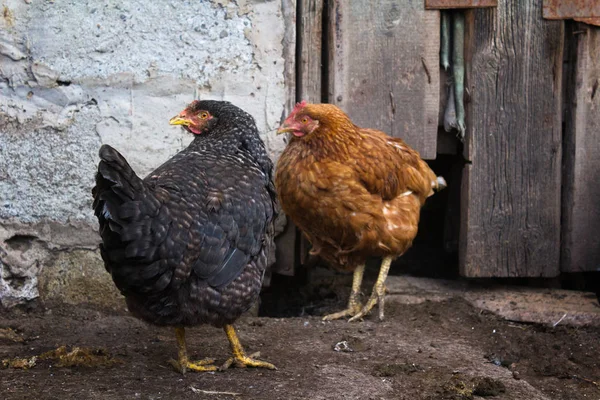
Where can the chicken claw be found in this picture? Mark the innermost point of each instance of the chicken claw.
(184, 364)
(247, 361)
(374, 299)
(354, 305)
(240, 359)
(378, 294)
(352, 309)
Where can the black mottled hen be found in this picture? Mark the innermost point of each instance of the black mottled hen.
(189, 244)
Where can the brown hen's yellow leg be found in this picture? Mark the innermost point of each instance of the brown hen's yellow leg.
(240, 359)
(354, 305)
(378, 294)
(184, 364)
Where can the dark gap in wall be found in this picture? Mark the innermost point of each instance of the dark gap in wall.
(434, 252)
(20, 242)
(568, 146)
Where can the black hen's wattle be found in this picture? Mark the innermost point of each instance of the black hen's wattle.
(189, 244)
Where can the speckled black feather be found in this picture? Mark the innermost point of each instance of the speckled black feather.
(190, 243)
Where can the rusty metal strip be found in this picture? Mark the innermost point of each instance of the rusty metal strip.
(591, 21)
(567, 9)
(442, 4)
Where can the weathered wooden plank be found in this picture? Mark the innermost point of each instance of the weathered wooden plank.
(510, 211)
(291, 245)
(289, 55)
(285, 256)
(581, 191)
(310, 77)
(310, 42)
(384, 68)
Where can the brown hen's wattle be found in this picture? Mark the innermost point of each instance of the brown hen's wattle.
(355, 193)
(189, 244)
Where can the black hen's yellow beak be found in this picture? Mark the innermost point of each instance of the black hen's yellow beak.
(180, 120)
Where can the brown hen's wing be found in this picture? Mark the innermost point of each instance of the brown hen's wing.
(389, 167)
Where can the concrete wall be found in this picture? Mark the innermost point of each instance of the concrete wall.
(80, 73)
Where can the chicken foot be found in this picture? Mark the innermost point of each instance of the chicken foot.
(378, 293)
(240, 359)
(354, 305)
(184, 363)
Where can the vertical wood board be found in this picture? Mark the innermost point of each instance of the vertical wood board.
(310, 37)
(581, 188)
(285, 253)
(384, 68)
(510, 207)
(307, 86)
(310, 83)
(289, 52)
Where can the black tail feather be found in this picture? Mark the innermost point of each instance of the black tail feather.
(124, 207)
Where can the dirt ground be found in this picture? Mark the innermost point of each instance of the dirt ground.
(444, 349)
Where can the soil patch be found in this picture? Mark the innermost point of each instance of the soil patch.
(432, 350)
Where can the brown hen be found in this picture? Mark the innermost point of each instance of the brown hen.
(355, 193)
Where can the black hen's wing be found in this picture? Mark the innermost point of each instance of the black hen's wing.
(188, 216)
(231, 208)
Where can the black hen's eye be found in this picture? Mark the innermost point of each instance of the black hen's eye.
(203, 115)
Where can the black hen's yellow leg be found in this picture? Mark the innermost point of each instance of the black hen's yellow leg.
(354, 305)
(184, 364)
(378, 294)
(240, 359)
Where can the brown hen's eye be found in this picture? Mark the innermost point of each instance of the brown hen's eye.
(204, 115)
(304, 120)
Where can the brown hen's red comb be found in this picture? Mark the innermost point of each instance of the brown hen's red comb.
(297, 108)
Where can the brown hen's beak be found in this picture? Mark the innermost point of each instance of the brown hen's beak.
(284, 129)
(178, 120)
